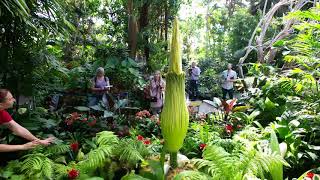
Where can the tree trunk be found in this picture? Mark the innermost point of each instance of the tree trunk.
(144, 13)
(132, 31)
(166, 21)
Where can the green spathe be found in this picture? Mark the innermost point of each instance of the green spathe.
(174, 116)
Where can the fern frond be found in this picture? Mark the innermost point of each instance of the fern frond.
(131, 151)
(47, 168)
(106, 138)
(61, 169)
(191, 175)
(216, 161)
(257, 163)
(57, 149)
(133, 176)
(95, 158)
(240, 163)
(37, 165)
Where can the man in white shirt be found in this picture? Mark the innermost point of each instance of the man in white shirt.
(228, 77)
(194, 73)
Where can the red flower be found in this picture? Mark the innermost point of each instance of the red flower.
(202, 146)
(229, 128)
(74, 146)
(239, 126)
(140, 138)
(228, 106)
(73, 174)
(92, 123)
(310, 175)
(147, 142)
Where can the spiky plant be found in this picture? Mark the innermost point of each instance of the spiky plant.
(174, 117)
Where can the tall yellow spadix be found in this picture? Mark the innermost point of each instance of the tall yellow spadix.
(175, 65)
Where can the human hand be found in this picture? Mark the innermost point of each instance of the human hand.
(46, 142)
(30, 145)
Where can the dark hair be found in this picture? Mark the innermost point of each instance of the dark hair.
(3, 95)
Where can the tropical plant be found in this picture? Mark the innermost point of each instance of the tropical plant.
(239, 162)
(131, 151)
(174, 116)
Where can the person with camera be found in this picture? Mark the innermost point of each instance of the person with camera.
(228, 77)
(100, 86)
(157, 86)
(194, 74)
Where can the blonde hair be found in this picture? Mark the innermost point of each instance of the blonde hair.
(100, 70)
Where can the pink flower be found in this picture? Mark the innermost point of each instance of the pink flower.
(202, 146)
(142, 114)
(73, 174)
(140, 138)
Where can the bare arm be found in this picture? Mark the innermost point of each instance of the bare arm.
(20, 131)
(11, 148)
(24, 133)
